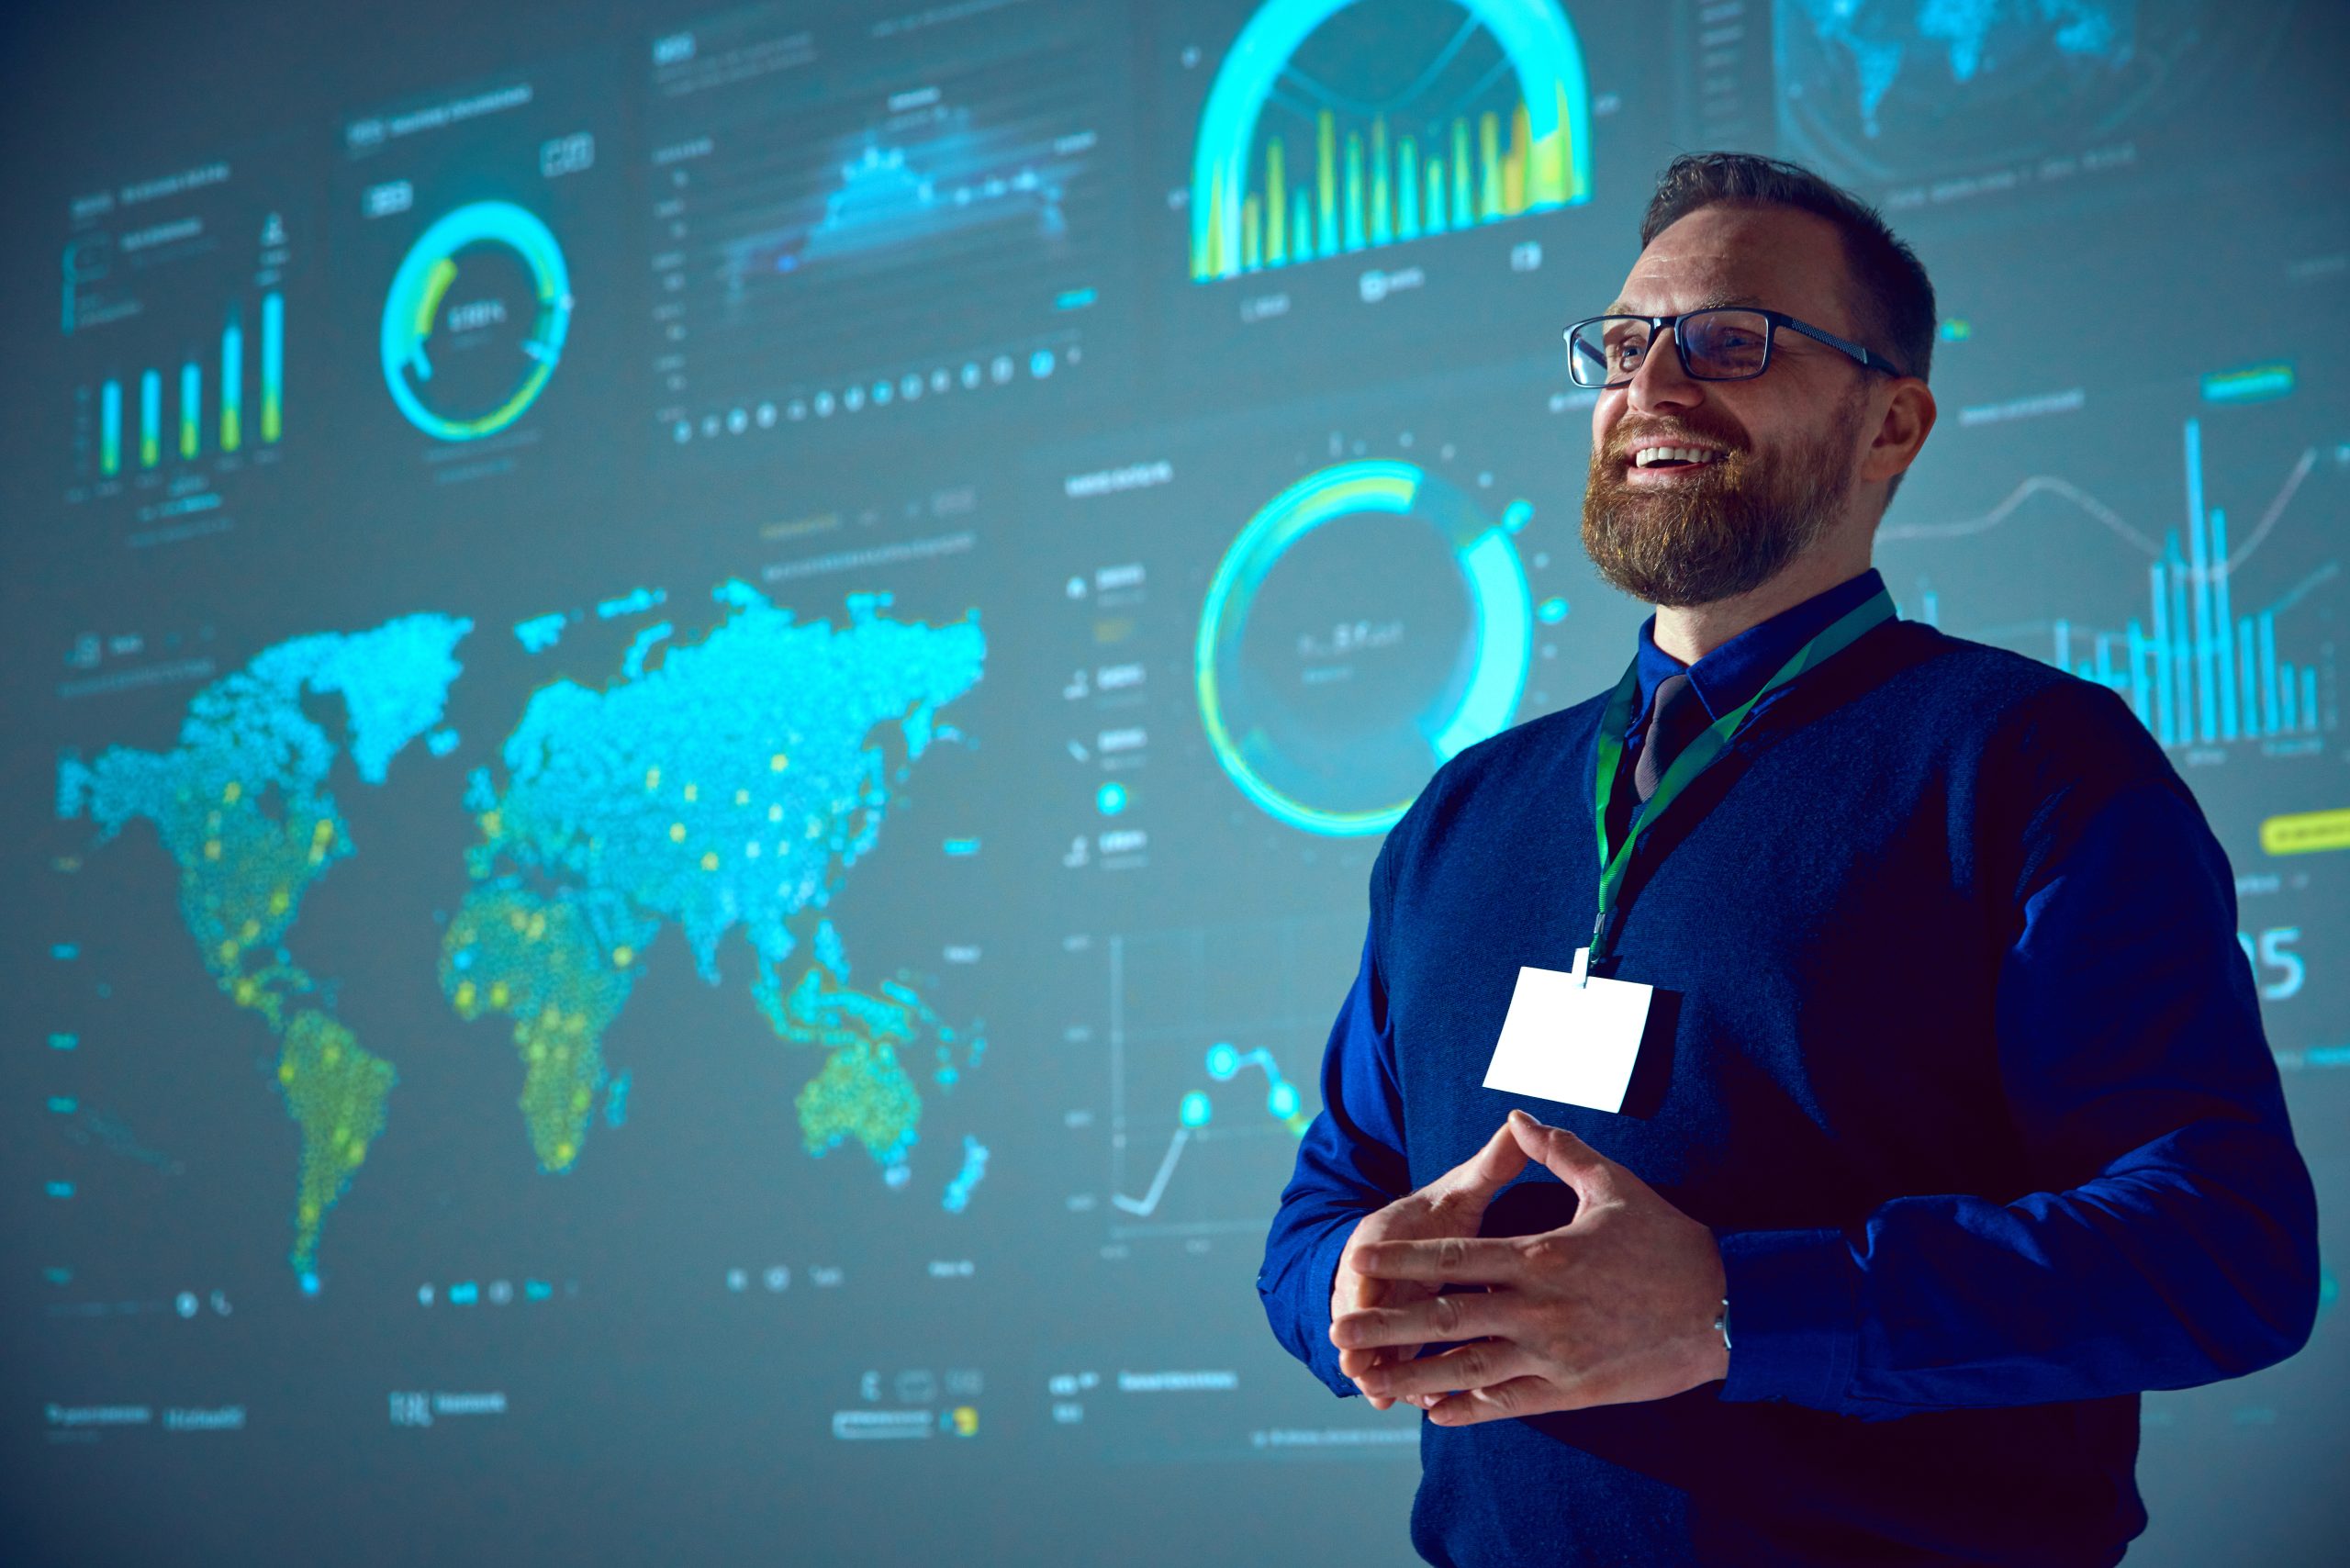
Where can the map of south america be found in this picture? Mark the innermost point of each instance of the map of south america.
(242, 807)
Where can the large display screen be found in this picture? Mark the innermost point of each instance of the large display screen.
(699, 699)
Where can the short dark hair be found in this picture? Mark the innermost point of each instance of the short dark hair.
(1895, 298)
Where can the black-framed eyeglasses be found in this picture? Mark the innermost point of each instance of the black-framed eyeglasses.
(1726, 343)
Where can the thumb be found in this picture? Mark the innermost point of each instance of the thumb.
(1566, 1156)
(1484, 1173)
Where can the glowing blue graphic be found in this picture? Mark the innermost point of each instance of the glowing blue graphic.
(1971, 38)
(1225, 1062)
(892, 198)
(1239, 223)
(1362, 783)
(975, 1169)
(412, 312)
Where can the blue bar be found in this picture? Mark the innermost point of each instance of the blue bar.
(2207, 717)
(2223, 645)
(2182, 653)
(110, 427)
(2267, 633)
(1407, 191)
(2138, 676)
(2248, 676)
(151, 418)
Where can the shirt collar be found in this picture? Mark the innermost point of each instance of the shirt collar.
(1736, 671)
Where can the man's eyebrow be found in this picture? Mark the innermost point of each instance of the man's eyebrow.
(1748, 301)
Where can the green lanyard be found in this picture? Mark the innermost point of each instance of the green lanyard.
(1696, 756)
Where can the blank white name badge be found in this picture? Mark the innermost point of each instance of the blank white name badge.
(1568, 1041)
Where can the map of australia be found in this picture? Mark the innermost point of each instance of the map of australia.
(724, 784)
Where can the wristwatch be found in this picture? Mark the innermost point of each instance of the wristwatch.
(1721, 1322)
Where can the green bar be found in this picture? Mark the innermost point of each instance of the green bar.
(1489, 150)
(110, 427)
(1354, 191)
(1326, 150)
(1407, 190)
(191, 408)
(272, 366)
(151, 418)
(1301, 230)
(1276, 206)
(1462, 216)
(233, 384)
(1435, 195)
(1381, 206)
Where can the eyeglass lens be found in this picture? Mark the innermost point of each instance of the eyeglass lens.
(1717, 344)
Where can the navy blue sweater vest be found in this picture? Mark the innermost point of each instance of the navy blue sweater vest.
(1824, 912)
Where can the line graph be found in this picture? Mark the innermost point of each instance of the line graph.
(1206, 1029)
(1225, 1063)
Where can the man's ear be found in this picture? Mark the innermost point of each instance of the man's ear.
(1907, 419)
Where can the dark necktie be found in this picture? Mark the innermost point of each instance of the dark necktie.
(1676, 715)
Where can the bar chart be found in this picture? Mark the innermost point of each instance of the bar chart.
(2195, 671)
(201, 429)
(175, 287)
(1298, 161)
(2199, 665)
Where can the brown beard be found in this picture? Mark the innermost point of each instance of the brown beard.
(1725, 532)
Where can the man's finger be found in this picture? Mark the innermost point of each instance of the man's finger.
(1567, 1157)
(1474, 1260)
(1481, 1365)
(1518, 1396)
(1466, 1315)
(1484, 1173)
(1354, 1363)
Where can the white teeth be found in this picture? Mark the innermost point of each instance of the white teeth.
(1650, 455)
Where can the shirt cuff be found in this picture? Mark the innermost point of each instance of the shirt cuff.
(1793, 1315)
(1322, 1277)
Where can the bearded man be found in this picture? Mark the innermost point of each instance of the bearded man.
(1862, 997)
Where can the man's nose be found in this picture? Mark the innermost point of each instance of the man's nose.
(1660, 382)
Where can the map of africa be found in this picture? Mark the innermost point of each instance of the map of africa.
(730, 782)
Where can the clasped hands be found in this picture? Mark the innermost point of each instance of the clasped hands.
(1616, 1306)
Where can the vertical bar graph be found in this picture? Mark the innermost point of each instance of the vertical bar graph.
(1496, 127)
(2194, 670)
(272, 366)
(232, 382)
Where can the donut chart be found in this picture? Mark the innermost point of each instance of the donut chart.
(475, 321)
(1369, 624)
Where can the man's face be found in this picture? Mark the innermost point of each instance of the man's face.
(1784, 447)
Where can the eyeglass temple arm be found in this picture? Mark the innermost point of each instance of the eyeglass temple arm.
(1874, 361)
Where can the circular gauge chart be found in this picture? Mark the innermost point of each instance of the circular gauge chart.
(1370, 623)
(475, 321)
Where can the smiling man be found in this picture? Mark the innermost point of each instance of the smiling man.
(1789, 1107)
